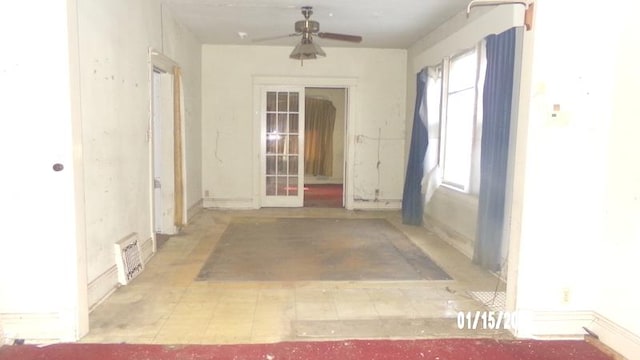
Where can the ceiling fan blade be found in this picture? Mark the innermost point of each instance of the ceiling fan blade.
(275, 37)
(341, 37)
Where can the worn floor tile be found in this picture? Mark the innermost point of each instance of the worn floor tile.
(166, 305)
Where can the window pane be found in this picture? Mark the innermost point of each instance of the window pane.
(462, 73)
(459, 138)
(434, 95)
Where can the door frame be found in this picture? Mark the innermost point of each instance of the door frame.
(159, 61)
(350, 86)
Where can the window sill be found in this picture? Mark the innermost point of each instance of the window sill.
(457, 194)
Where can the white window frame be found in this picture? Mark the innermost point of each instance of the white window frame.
(471, 186)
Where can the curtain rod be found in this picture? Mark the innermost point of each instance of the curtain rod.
(528, 8)
(475, 3)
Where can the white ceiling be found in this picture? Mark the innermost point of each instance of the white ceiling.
(382, 23)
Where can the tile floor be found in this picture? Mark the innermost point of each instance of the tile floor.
(165, 305)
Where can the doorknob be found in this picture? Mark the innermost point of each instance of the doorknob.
(156, 184)
(58, 167)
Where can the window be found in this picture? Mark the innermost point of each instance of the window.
(434, 99)
(459, 120)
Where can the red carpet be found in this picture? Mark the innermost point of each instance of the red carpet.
(449, 349)
(323, 195)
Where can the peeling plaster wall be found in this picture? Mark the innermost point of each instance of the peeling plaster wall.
(228, 124)
(115, 37)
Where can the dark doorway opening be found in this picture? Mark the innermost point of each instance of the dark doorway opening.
(324, 153)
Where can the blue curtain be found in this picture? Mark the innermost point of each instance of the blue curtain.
(412, 198)
(496, 120)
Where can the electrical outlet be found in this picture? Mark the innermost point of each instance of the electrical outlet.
(566, 295)
(206, 193)
(377, 192)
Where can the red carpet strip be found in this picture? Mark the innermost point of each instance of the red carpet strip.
(323, 195)
(447, 349)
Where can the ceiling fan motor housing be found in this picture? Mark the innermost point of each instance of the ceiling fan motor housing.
(307, 26)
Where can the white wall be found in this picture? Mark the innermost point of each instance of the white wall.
(115, 37)
(42, 262)
(620, 244)
(228, 149)
(337, 98)
(450, 213)
(580, 238)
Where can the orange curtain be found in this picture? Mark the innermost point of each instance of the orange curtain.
(178, 219)
(320, 118)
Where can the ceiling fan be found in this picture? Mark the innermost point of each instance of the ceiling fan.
(306, 49)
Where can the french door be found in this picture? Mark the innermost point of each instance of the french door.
(282, 137)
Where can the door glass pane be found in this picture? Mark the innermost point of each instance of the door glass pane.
(293, 165)
(293, 123)
(271, 101)
(282, 165)
(272, 142)
(293, 186)
(271, 185)
(293, 102)
(281, 143)
(282, 123)
(271, 165)
(282, 101)
(293, 144)
(282, 186)
(271, 123)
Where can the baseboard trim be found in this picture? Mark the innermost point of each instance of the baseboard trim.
(147, 248)
(377, 204)
(553, 325)
(615, 336)
(194, 209)
(101, 287)
(450, 236)
(239, 204)
(3, 340)
(32, 327)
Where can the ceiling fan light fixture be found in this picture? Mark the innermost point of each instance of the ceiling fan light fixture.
(307, 51)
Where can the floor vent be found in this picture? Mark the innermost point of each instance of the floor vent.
(495, 301)
(128, 258)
